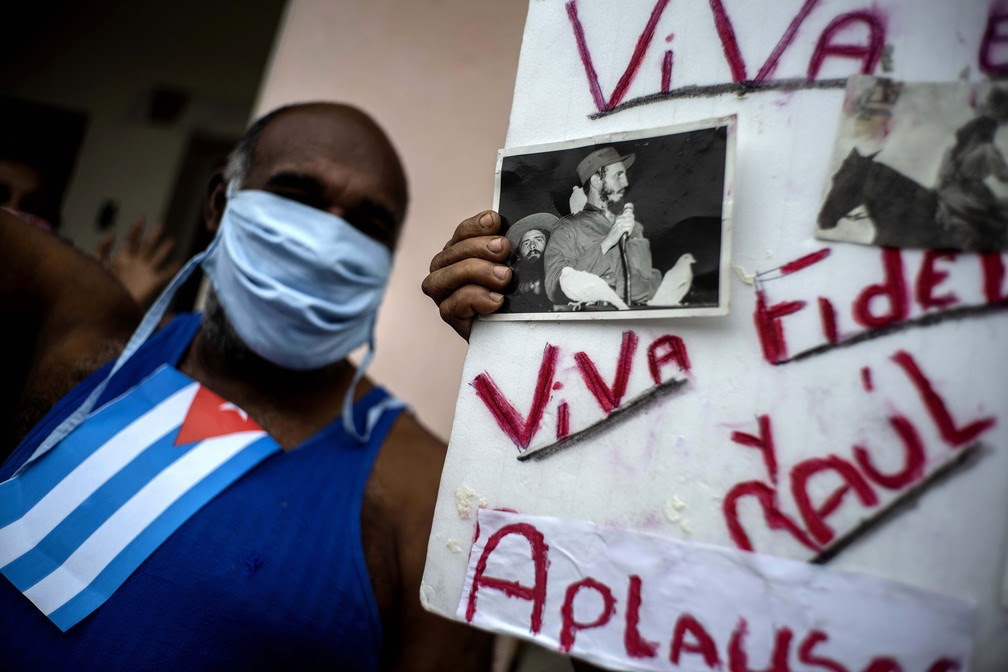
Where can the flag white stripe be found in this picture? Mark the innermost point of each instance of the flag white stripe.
(98, 550)
(23, 534)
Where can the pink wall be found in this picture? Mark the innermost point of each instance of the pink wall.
(438, 75)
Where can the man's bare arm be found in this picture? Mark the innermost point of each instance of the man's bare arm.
(410, 464)
(62, 308)
(62, 288)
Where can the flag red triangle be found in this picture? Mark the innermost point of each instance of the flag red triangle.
(209, 416)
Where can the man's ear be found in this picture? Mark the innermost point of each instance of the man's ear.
(216, 201)
(595, 181)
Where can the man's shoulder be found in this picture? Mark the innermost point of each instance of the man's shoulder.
(571, 224)
(593, 217)
(575, 217)
(408, 466)
(410, 437)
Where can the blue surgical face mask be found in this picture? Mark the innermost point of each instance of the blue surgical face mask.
(300, 286)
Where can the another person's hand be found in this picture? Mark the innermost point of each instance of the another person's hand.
(142, 262)
(467, 276)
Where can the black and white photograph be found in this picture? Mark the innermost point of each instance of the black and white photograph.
(919, 165)
(623, 226)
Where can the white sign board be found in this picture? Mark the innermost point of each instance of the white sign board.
(850, 409)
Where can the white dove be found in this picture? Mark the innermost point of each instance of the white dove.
(577, 200)
(583, 287)
(676, 283)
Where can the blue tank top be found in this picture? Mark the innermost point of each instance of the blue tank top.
(270, 574)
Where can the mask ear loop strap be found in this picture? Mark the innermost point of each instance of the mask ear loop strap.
(147, 326)
(375, 412)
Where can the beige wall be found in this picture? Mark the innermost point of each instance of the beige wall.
(438, 75)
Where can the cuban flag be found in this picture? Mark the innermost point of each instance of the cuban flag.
(79, 521)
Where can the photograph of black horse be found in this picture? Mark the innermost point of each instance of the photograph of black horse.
(905, 213)
(965, 210)
(901, 210)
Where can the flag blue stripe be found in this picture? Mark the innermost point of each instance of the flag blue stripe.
(18, 495)
(53, 550)
(124, 564)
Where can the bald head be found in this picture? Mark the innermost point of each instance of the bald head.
(330, 156)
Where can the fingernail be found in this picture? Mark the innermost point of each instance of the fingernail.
(486, 220)
(497, 244)
(497, 298)
(501, 272)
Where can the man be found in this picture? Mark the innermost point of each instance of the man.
(311, 558)
(967, 207)
(528, 238)
(603, 238)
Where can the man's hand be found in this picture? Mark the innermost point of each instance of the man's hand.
(467, 275)
(142, 262)
(621, 227)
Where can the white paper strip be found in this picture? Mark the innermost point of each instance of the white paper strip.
(632, 601)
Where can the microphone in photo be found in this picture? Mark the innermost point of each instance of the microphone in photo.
(627, 209)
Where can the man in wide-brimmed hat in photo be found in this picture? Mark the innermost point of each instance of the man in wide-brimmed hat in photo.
(603, 238)
(968, 209)
(529, 237)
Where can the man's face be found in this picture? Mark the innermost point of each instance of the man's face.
(334, 159)
(614, 183)
(331, 158)
(532, 244)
